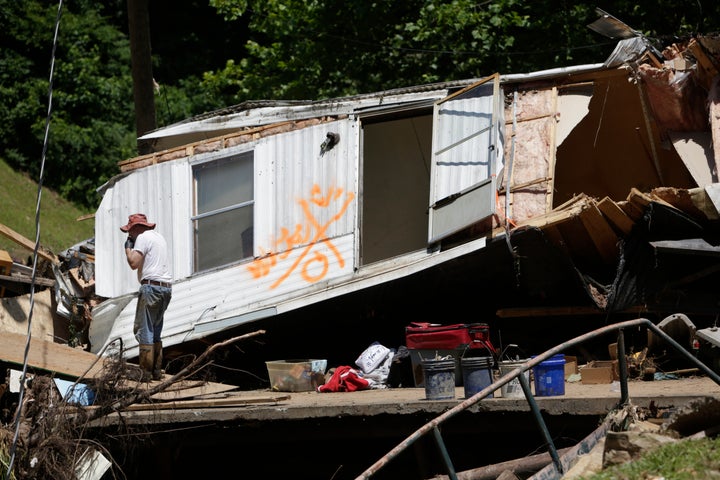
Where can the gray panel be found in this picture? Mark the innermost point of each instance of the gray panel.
(465, 209)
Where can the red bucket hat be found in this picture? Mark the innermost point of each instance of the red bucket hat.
(137, 219)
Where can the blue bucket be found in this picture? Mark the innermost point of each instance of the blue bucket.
(550, 377)
(477, 374)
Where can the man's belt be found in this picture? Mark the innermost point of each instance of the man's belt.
(155, 282)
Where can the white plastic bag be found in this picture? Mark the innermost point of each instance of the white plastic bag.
(372, 357)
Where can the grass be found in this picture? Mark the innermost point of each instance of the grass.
(683, 460)
(59, 225)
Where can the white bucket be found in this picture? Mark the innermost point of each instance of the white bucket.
(513, 389)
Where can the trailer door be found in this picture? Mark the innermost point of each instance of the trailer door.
(467, 154)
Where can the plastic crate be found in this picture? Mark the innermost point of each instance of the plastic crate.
(303, 375)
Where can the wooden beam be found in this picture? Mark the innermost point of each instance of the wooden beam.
(616, 216)
(26, 243)
(554, 217)
(189, 391)
(208, 403)
(43, 282)
(601, 234)
(706, 69)
(49, 356)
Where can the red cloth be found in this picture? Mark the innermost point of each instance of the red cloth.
(344, 379)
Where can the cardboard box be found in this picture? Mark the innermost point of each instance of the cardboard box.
(571, 365)
(599, 371)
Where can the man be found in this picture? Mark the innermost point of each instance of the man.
(146, 251)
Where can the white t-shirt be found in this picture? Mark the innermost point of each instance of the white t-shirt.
(155, 256)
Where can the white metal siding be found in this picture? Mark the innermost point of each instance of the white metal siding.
(227, 293)
(293, 177)
(162, 193)
(296, 188)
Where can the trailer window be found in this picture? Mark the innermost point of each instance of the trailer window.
(224, 204)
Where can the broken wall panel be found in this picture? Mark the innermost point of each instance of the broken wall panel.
(696, 151)
(615, 147)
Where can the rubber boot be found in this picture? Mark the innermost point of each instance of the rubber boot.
(146, 362)
(157, 361)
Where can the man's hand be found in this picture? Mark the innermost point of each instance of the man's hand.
(129, 243)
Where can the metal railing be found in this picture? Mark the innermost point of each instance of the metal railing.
(433, 425)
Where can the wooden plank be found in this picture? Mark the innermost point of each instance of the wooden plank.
(192, 391)
(615, 215)
(638, 198)
(577, 199)
(26, 243)
(602, 234)
(706, 70)
(684, 200)
(43, 282)
(497, 471)
(631, 210)
(49, 356)
(62, 359)
(219, 142)
(207, 403)
(552, 218)
(86, 288)
(642, 200)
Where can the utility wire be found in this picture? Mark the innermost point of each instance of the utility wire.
(18, 412)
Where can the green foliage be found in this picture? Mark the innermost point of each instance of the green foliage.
(327, 48)
(176, 103)
(59, 225)
(683, 460)
(210, 54)
(91, 121)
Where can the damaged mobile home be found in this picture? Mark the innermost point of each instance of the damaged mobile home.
(588, 189)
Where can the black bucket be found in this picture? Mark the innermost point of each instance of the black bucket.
(439, 379)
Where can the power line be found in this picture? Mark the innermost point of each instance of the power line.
(18, 412)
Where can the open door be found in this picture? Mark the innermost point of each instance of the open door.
(467, 150)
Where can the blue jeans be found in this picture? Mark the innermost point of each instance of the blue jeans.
(152, 302)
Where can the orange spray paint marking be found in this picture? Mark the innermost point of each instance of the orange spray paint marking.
(319, 257)
(288, 241)
(313, 233)
(261, 267)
